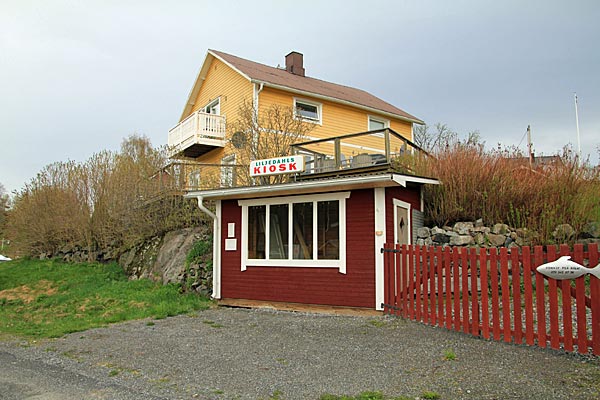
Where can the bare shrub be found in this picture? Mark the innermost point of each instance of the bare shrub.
(111, 199)
(501, 187)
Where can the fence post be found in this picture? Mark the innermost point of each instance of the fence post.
(485, 312)
(595, 300)
(528, 288)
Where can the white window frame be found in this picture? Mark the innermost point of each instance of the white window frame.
(228, 163)
(319, 106)
(211, 105)
(386, 123)
(340, 264)
(194, 179)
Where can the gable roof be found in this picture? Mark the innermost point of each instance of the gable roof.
(303, 85)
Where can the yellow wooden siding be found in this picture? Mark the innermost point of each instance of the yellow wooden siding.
(222, 81)
(338, 119)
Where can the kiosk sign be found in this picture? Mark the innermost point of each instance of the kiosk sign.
(277, 166)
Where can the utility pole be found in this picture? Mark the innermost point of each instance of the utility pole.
(577, 127)
(529, 146)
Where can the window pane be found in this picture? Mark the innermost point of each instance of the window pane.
(375, 125)
(256, 232)
(303, 231)
(328, 230)
(307, 110)
(278, 241)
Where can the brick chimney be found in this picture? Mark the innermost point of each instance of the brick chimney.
(293, 63)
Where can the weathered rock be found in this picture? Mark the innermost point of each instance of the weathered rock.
(170, 260)
(495, 239)
(461, 240)
(590, 230)
(479, 238)
(479, 223)
(500, 229)
(139, 260)
(436, 230)
(563, 232)
(463, 228)
(440, 238)
(424, 242)
(423, 233)
(482, 229)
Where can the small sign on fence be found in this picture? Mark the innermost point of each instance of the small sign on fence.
(564, 268)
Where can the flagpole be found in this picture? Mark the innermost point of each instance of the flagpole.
(577, 126)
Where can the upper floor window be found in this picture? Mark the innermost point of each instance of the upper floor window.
(376, 124)
(307, 110)
(214, 107)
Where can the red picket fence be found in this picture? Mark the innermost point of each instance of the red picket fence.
(498, 295)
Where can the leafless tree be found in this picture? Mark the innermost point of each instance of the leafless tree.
(265, 133)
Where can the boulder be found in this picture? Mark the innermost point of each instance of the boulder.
(495, 239)
(436, 230)
(440, 238)
(463, 228)
(590, 230)
(461, 240)
(170, 260)
(563, 232)
(500, 229)
(423, 233)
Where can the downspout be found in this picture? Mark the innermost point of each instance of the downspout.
(206, 210)
(216, 247)
(255, 99)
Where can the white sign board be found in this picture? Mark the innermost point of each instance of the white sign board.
(277, 166)
(564, 268)
(230, 244)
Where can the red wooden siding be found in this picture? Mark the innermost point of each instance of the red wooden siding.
(497, 295)
(325, 286)
(409, 195)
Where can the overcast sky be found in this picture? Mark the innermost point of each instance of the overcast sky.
(77, 77)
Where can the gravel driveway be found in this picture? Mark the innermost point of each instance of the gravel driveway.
(261, 354)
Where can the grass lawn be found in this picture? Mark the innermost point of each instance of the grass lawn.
(51, 298)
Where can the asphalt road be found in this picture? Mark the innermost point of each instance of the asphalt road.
(22, 378)
(242, 354)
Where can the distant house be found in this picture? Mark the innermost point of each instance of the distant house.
(316, 239)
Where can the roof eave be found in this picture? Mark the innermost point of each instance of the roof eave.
(306, 187)
(336, 100)
(210, 56)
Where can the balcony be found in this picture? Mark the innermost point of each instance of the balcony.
(357, 153)
(197, 134)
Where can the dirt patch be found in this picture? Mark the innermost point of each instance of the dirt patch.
(138, 304)
(28, 294)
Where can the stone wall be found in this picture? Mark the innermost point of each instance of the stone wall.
(499, 235)
(160, 258)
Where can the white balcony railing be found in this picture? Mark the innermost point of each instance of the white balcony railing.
(199, 128)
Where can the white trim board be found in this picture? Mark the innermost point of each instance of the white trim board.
(380, 238)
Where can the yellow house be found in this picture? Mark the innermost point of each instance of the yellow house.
(203, 137)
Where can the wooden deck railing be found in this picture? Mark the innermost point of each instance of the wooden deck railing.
(198, 128)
